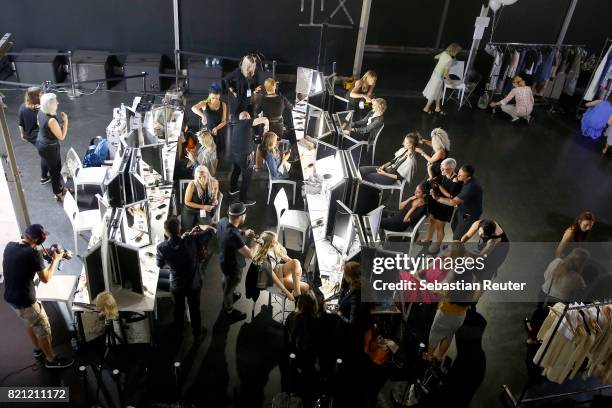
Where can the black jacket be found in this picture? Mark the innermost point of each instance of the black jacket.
(362, 129)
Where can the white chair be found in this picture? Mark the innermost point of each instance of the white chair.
(456, 86)
(272, 182)
(80, 220)
(182, 187)
(410, 233)
(374, 142)
(217, 216)
(83, 176)
(290, 219)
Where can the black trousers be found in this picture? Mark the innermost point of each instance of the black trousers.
(464, 223)
(51, 157)
(242, 166)
(193, 301)
(44, 169)
(369, 173)
(395, 221)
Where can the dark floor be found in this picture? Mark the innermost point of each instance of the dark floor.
(536, 179)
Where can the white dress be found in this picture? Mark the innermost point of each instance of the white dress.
(433, 89)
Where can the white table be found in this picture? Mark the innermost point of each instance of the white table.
(60, 288)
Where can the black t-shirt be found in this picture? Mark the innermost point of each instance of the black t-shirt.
(241, 140)
(27, 120)
(471, 194)
(181, 255)
(230, 241)
(20, 263)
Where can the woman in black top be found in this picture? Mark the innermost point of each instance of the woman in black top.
(49, 135)
(493, 245)
(241, 85)
(28, 125)
(201, 194)
(411, 211)
(445, 185)
(440, 143)
(213, 114)
(353, 313)
(272, 105)
(362, 92)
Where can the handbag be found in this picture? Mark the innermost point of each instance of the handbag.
(374, 347)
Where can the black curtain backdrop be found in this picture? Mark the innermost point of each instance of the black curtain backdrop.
(228, 28)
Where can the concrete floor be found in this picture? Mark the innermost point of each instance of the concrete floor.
(536, 179)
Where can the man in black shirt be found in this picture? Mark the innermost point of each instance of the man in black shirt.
(21, 263)
(243, 152)
(180, 254)
(468, 201)
(232, 253)
(241, 84)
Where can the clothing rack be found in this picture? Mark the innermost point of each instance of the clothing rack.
(516, 402)
(602, 53)
(538, 45)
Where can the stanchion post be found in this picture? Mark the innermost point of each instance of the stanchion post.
(72, 94)
(144, 82)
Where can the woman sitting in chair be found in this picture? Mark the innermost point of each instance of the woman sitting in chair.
(277, 160)
(206, 154)
(201, 194)
(286, 272)
(366, 128)
(411, 211)
(401, 167)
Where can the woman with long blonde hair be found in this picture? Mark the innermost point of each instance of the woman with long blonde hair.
(277, 161)
(440, 143)
(362, 91)
(206, 154)
(201, 199)
(286, 272)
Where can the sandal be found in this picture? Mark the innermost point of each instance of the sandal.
(441, 113)
(424, 241)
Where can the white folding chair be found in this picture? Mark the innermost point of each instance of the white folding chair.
(271, 183)
(455, 86)
(410, 233)
(182, 187)
(277, 296)
(374, 142)
(83, 176)
(80, 220)
(290, 219)
(217, 215)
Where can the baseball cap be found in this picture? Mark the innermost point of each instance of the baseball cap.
(237, 209)
(36, 231)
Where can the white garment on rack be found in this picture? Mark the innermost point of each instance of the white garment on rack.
(589, 95)
(573, 74)
(497, 61)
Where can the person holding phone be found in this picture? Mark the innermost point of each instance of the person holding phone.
(201, 199)
(49, 135)
(277, 160)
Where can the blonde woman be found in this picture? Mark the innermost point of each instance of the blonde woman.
(286, 272)
(206, 154)
(50, 133)
(277, 161)
(523, 101)
(213, 113)
(440, 143)
(362, 92)
(433, 90)
(28, 125)
(201, 199)
(272, 106)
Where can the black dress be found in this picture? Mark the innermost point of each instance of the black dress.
(213, 119)
(440, 211)
(190, 217)
(435, 166)
(272, 108)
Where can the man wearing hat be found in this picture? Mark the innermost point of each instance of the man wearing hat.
(21, 262)
(233, 250)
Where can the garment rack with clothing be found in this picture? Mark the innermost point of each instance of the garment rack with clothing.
(551, 68)
(521, 400)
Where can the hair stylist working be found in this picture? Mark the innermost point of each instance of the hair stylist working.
(49, 135)
(232, 253)
(21, 262)
(240, 83)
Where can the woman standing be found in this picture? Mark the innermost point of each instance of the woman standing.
(213, 114)
(286, 272)
(446, 185)
(523, 101)
(241, 85)
(201, 199)
(433, 90)
(440, 143)
(362, 93)
(28, 125)
(272, 105)
(576, 233)
(49, 135)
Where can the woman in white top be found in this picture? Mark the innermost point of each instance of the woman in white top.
(401, 167)
(286, 272)
(523, 101)
(433, 89)
(563, 277)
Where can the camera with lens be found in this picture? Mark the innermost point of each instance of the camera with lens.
(54, 249)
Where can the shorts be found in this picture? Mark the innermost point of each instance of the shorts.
(35, 317)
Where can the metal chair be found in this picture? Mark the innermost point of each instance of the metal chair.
(456, 86)
(82, 176)
(290, 219)
(80, 220)
(374, 142)
(397, 186)
(272, 181)
(410, 233)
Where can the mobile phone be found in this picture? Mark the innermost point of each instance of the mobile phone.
(162, 206)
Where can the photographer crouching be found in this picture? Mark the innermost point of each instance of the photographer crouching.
(21, 262)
